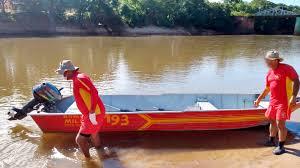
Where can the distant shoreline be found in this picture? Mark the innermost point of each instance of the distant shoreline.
(126, 32)
(25, 25)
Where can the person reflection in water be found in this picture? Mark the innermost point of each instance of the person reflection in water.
(89, 104)
(282, 83)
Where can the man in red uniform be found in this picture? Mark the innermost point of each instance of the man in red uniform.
(283, 84)
(89, 104)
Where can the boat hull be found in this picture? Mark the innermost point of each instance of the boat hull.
(157, 121)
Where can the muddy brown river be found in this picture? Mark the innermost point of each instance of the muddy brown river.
(141, 65)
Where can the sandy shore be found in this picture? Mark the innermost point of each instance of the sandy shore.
(229, 149)
(214, 149)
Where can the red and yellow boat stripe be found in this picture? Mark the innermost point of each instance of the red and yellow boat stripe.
(199, 120)
(168, 121)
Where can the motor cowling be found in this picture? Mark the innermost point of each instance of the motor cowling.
(45, 95)
(46, 92)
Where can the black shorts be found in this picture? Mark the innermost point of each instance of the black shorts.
(85, 135)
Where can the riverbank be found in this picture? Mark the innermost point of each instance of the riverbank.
(16, 29)
(228, 149)
(11, 30)
(25, 25)
(127, 32)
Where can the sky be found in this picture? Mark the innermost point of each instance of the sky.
(288, 2)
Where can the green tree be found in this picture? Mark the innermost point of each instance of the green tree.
(114, 14)
(232, 1)
(257, 5)
(2, 5)
(220, 18)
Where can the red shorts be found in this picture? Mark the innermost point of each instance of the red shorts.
(87, 127)
(278, 112)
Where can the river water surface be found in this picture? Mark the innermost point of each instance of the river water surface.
(139, 65)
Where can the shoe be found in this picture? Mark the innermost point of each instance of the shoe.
(270, 143)
(278, 151)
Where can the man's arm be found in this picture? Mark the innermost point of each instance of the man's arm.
(94, 98)
(93, 93)
(292, 74)
(295, 92)
(261, 96)
(296, 87)
(87, 83)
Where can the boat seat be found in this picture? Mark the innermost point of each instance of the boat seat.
(264, 104)
(205, 105)
(201, 105)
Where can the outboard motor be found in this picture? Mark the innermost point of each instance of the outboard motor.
(45, 95)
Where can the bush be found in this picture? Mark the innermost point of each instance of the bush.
(200, 14)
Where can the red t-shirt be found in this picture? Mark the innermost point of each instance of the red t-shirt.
(86, 96)
(280, 83)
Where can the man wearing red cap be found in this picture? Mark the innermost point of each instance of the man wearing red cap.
(89, 104)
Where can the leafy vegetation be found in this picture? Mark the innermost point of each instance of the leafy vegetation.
(114, 14)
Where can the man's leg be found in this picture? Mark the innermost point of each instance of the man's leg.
(96, 140)
(83, 143)
(282, 133)
(273, 128)
(272, 133)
